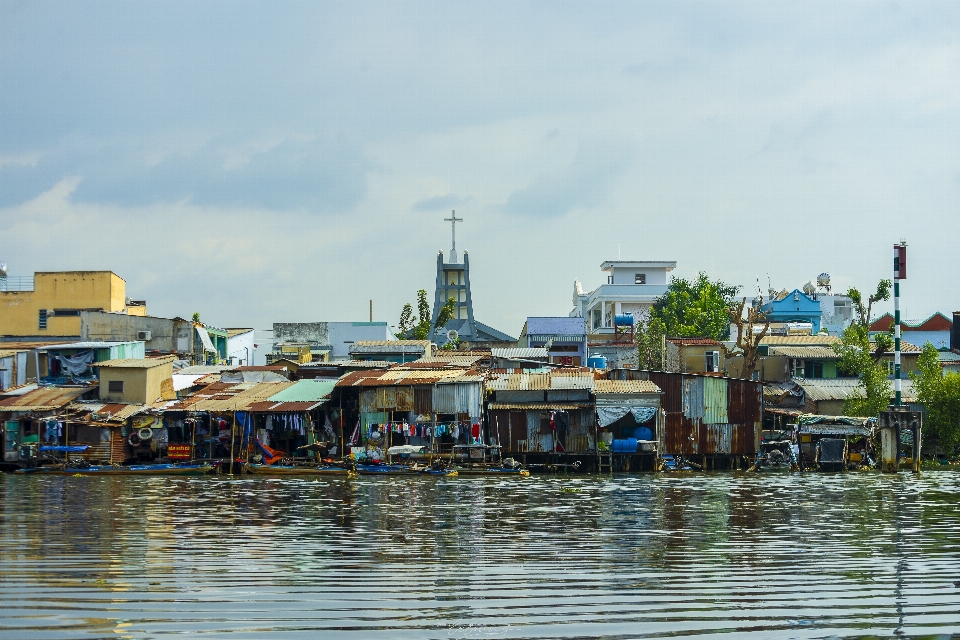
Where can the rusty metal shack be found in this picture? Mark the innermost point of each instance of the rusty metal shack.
(710, 420)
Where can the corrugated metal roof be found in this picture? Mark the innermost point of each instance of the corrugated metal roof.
(531, 353)
(905, 347)
(543, 406)
(556, 325)
(540, 381)
(809, 353)
(843, 388)
(440, 359)
(118, 411)
(694, 342)
(801, 341)
(43, 399)
(305, 391)
(625, 386)
(19, 391)
(85, 345)
(238, 397)
(236, 332)
(135, 363)
(270, 406)
(201, 369)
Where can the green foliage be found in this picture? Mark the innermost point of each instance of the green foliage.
(196, 316)
(446, 312)
(406, 320)
(695, 309)
(864, 312)
(649, 336)
(452, 345)
(856, 358)
(423, 309)
(411, 328)
(940, 396)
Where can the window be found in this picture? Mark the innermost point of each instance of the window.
(640, 278)
(712, 361)
(798, 369)
(43, 319)
(813, 369)
(891, 367)
(115, 386)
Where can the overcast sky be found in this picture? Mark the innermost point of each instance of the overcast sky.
(262, 162)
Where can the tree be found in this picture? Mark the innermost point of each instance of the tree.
(446, 312)
(856, 356)
(940, 395)
(882, 341)
(418, 328)
(649, 337)
(748, 342)
(695, 309)
(196, 317)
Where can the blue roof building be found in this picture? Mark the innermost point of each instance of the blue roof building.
(795, 307)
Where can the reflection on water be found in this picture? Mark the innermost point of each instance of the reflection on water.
(776, 555)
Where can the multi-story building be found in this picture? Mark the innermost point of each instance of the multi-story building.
(51, 304)
(631, 288)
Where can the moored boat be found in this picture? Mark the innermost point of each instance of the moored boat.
(492, 471)
(198, 469)
(295, 470)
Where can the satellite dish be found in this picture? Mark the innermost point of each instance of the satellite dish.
(3, 269)
(823, 279)
(452, 335)
(809, 289)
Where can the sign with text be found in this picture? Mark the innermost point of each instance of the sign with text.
(179, 451)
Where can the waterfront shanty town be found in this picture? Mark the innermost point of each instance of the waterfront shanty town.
(91, 383)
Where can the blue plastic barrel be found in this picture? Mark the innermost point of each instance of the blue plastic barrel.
(643, 433)
(597, 362)
(627, 445)
(623, 320)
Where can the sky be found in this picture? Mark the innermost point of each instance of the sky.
(288, 162)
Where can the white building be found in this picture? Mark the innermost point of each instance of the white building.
(631, 287)
(240, 346)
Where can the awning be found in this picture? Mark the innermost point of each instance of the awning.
(835, 430)
(610, 414)
(541, 406)
(205, 339)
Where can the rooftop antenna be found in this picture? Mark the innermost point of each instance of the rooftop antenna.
(453, 220)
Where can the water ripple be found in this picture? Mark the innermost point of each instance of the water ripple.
(692, 555)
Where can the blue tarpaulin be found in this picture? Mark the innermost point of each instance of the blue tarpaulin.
(80, 448)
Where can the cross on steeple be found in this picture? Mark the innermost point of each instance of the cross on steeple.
(453, 220)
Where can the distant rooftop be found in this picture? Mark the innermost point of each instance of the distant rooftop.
(638, 264)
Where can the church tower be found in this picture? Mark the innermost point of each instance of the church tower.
(453, 281)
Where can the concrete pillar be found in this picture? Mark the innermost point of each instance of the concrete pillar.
(889, 445)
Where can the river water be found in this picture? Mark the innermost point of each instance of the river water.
(791, 556)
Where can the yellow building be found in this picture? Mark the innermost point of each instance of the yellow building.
(136, 381)
(53, 306)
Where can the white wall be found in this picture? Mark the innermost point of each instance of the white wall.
(238, 348)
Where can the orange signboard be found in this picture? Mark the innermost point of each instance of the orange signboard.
(179, 451)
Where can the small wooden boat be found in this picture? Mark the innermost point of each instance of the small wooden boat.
(493, 471)
(296, 470)
(197, 469)
(386, 469)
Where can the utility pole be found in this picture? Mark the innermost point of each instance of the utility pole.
(899, 273)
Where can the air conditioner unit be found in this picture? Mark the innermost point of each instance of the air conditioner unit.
(144, 335)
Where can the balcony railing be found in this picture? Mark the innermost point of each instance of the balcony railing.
(16, 283)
